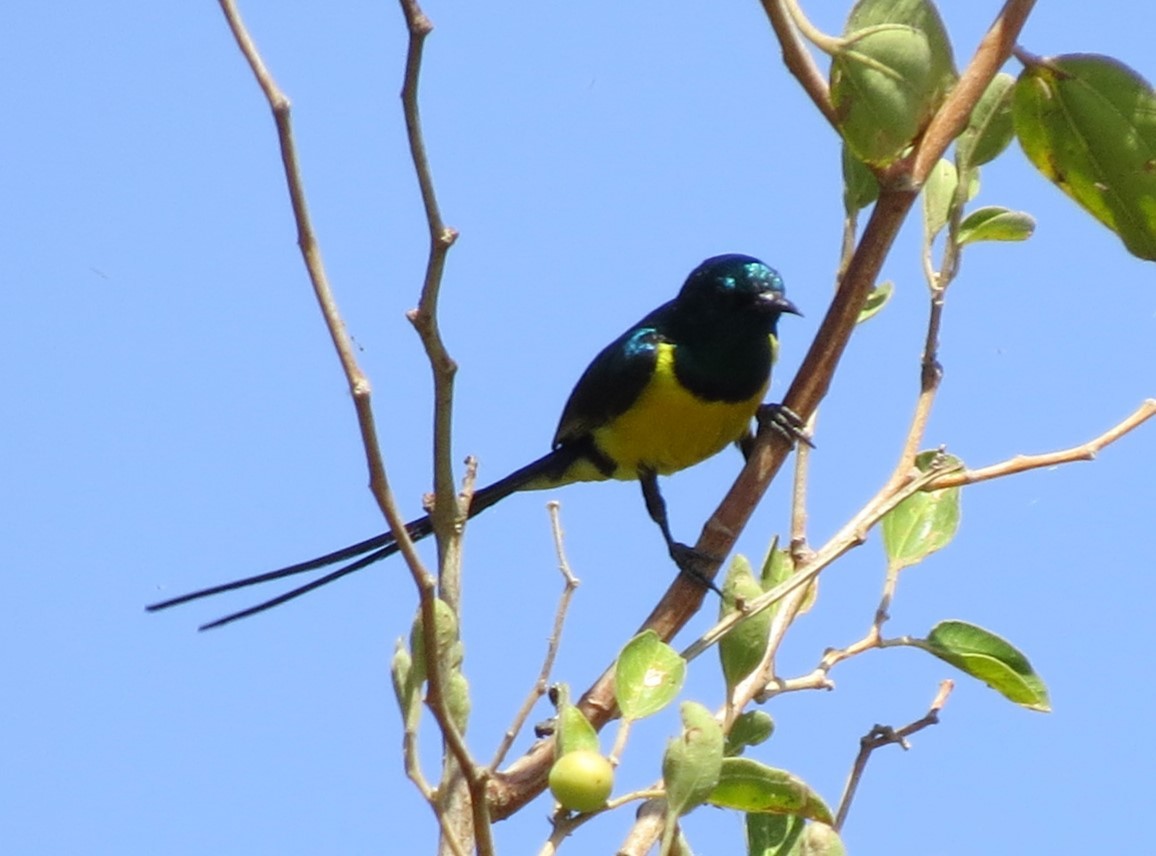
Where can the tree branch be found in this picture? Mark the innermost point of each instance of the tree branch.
(540, 685)
(447, 514)
(884, 735)
(900, 186)
(1022, 463)
(797, 58)
(359, 385)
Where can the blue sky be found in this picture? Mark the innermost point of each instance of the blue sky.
(176, 417)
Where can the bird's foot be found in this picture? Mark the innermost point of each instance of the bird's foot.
(788, 423)
(695, 564)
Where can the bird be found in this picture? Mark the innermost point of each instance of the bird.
(674, 389)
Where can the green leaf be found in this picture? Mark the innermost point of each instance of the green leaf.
(743, 647)
(648, 675)
(458, 699)
(923, 16)
(405, 687)
(992, 659)
(749, 729)
(1088, 123)
(779, 567)
(924, 522)
(878, 298)
(819, 839)
(893, 71)
(881, 87)
(920, 14)
(787, 835)
(445, 634)
(993, 223)
(972, 176)
(774, 834)
(989, 127)
(693, 760)
(860, 187)
(938, 198)
(574, 731)
(749, 786)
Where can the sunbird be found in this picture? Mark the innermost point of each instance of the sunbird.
(673, 390)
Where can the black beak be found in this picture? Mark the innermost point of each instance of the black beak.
(778, 302)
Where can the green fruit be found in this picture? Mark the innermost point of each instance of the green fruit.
(581, 780)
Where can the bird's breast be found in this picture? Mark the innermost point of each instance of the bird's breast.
(669, 428)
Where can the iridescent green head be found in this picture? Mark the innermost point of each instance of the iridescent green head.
(735, 284)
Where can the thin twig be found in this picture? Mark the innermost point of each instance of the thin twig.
(883, 735)
(410, 757)
(788, 608)
(762, 683)
(950, 120)
(449, 511)
(447, 515)
(798, 544)
(647, 829)
(620, 738)
(931, 370)
(565, 822)
(798, 59)
(1022, 463)
(930, 375)
(853, 533)
(571, 583)
(818, 678)
(448, 836)
(827, 44)
(750, 688)
(359, 385)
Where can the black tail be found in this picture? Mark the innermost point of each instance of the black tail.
(551, 466)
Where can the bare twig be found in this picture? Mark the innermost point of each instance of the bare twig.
(883, 735)
(565, 822)
(449, 511)
(818, 678)
(360, 390)
(798, 545)
(620, 738)
(763, 684)
(447, 515)
(448, 836)
(931, 371)
(827, 44)
(1022, 463)
(541, 684)
(410, 756)
(798, 59)
(853, 533)
(359, 385)
(646, 830)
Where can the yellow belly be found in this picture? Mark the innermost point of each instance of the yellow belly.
(668, 429)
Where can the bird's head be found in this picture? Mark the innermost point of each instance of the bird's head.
(738, 286)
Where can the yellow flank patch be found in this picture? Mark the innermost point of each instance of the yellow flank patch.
(668, 428)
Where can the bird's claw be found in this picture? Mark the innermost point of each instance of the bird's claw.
(786, 422)
(695, 563)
